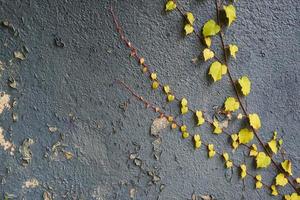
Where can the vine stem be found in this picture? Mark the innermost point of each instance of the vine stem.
(137, 57)
(221, 34)
(163, 114)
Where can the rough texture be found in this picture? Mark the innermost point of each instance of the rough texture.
(67, 81)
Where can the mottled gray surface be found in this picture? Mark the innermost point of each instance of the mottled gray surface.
(72, 88)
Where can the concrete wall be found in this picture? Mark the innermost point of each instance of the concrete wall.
(67, 82)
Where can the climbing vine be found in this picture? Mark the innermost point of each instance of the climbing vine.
(234, 106)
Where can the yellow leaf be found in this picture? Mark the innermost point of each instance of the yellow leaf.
(253, 150)
(170, 97)
(287, 166)
(273, 146)
(224, 69)
(231, 104)
(197, 140)
(254, 121)
(183, 128)
(210, 147)
(155, 85)
(210, 28)
(281, 180)
(245, 136)
(142, 61)
(211, 150)
(170, 5)
(185, 135)
(298, 180)
(225, 156)
(188, 29)
(258, 177)
(197, 144)
(243, 170)
(216, 70)
(274, 190)
(190, 18)
(234, 138)
(245, 85)
(153, 76)
(229, 164)
(239, 116)
(184, 102)
(233, 49)
(197, 137)
(262, 160)
(258, 184)
(217, 129)
(207, 41)
(170, 119)
(230, 13)
(166, 89)
(208, 54)
(200, 119)
(211, 153)
(184, 109)
(293, 196)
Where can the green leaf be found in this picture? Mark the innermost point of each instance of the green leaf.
(216, 70)
(210, 28)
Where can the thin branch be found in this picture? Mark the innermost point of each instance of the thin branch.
(163, 114)
(221, 34)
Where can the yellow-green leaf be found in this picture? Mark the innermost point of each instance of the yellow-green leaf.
(210, 28)
(190, 18)
(233, 49)
(231, 104)
(245, 85)
(262, 160)
(208, 54)
(216, 70)
(254, 121)
(287, 166)
(245, 136)
(230, 13)
(188, 29)
(281, 180)
(170, 5)
(200, 119)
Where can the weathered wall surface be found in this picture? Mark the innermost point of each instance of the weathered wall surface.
(67, 82)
